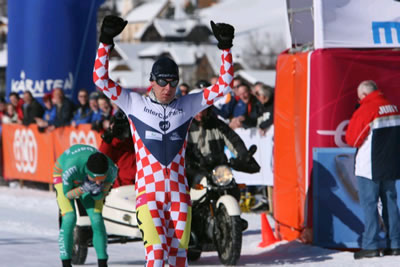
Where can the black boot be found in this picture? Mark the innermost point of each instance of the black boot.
(367, 253)
(102, 263)
(66, 263)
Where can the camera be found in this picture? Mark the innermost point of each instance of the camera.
(119, 128)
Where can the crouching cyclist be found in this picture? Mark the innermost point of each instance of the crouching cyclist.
(85, 173)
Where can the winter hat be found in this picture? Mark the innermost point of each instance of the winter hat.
(94, 95)
(202, 84)
(97, 166)
(164, 68)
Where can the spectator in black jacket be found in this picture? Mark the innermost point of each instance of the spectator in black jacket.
(265, 95)
(246, 110)
(64, 108)
(82, 114)
(106, 114)
(31, 109)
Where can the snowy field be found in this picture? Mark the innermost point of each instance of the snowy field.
(29, 231)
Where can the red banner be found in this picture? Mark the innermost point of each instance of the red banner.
(315, 96)
(30, 155)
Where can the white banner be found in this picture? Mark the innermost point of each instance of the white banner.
(263, 156)
(356, 23)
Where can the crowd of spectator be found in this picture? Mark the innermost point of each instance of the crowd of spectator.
(56, 110)
(247, 106)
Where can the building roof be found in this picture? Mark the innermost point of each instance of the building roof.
(259, 17)
(174, 28)
(129, 52)
(182, 53)
(140, 57)
(146, 12)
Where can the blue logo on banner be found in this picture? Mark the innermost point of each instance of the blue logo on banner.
(387, 27)
(51, 44)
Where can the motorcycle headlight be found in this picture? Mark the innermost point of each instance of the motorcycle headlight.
(222, 175)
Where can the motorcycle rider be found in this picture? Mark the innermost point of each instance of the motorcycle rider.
(159, 125)
(85, 173)
(207, 139)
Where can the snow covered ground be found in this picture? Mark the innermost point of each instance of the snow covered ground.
(29, 231)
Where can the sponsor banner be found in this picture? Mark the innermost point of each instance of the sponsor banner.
(315, 96)
(263, 156)
(356, 23)
(338, 216)
(51, 44)
(30, 155)
(67, 136)
(339, 72)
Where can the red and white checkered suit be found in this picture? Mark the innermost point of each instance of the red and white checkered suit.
(159, 133)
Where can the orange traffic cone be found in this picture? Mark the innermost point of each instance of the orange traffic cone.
(267, 235)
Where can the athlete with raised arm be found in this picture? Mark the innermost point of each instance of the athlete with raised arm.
(159, 125)
(85, 173)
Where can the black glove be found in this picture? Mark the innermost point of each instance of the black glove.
(224, 34)
(248, 165)
(111, 27)
(108, 136)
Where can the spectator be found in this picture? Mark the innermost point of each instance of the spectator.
(374, 129)
(246, 110)
(2, 107)
(50, 112)
(183, 90)
(10, 115)
(214, 79)
(83, 113)
(94, 107)
(17, 102)
(32, 109)
(236, 83)
(49, 115)
(117, 144)
(264, 94)
(106, 114)
(201, 84)
(114, 108)
(225, 105)
(64, 108)
(256, 87)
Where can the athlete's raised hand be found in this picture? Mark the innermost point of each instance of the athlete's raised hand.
(224, 34)
(111, 27)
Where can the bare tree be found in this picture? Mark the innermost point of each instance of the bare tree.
(261, 50)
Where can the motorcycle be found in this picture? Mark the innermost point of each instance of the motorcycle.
(216, 222)
(119, 219)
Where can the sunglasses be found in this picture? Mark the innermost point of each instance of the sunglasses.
(162, 82)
